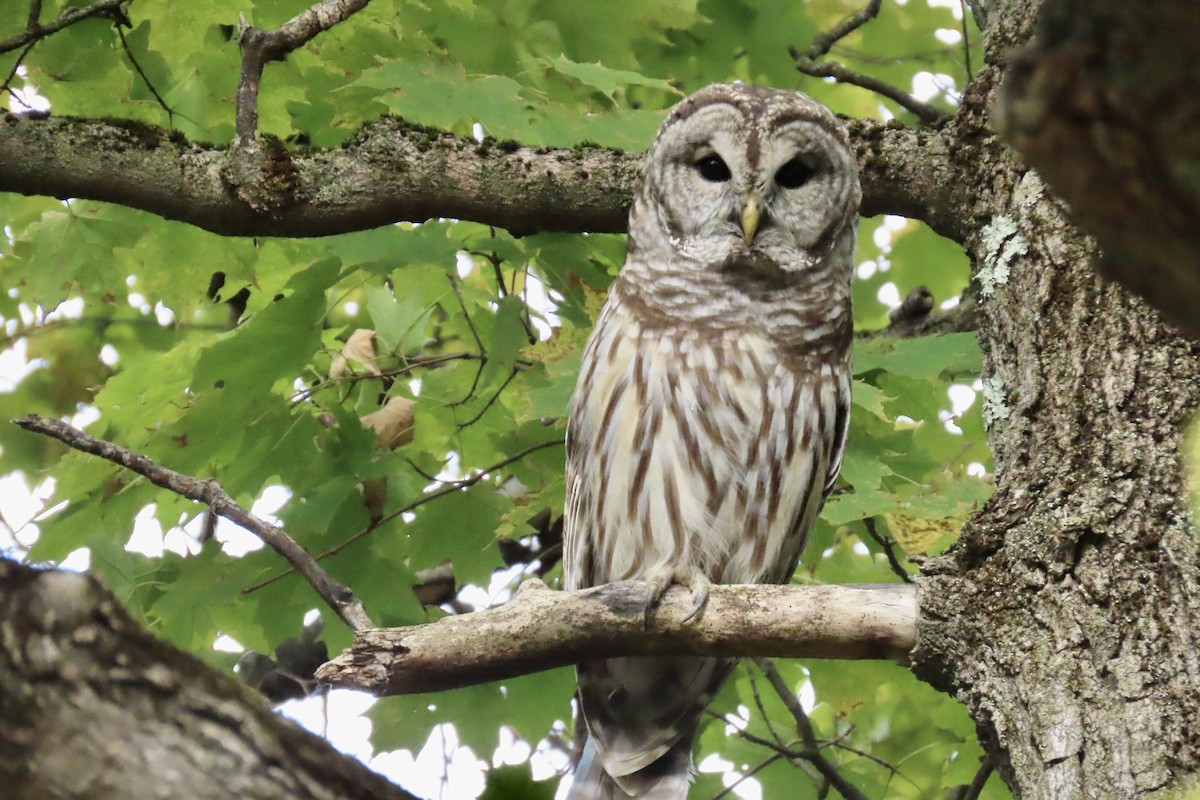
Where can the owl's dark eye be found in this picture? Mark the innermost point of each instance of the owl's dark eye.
(793, 174)
(712, 168)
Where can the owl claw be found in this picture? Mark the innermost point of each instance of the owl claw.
(657, 587)
(699, 585)
(699, 597)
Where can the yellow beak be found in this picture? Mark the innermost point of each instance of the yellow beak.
(750, 218)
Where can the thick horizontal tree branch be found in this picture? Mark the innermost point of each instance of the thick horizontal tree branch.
(392, 171)
(910, 172)
(541, 628)
(96, 707)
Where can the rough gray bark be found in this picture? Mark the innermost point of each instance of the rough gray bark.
(95, 708)
(1066, 617)
(392, 171)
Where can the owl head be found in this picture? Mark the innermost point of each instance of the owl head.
(741, 177)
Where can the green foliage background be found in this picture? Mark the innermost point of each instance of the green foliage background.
(142, 349)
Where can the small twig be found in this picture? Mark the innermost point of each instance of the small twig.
(338, 597)
(784, 750)
(526, 318)
(478, 342)
(491, 401)
(466, 315)
(927, 57)
(495, 260)
(260, 46)
(429, 476)
(888, 544)
(823, 41)
(812, 748)
(12, 73)
(831, 69)
(979, 781)
(465, 483)
(762, 709)
(145, 78)
(35, 13)
(411, 364)
(807, 63)
(69, 16)
(889, 766)
(474, 385)
(966, 34)
(750, 773)
(449, 488)
(975, 788)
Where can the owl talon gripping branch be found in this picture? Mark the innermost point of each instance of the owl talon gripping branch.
(699, 588)
(710, 414)
(697, 582)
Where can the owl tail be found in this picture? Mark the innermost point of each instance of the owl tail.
(668, 778)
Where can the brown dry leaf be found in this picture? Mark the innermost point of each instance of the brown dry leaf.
(359, 348)
(393, 424)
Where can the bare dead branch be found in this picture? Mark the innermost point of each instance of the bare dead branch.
(541, 628)
(338, 597)
(68, 17)
(807, 63)
(260, 46)
(392, 171)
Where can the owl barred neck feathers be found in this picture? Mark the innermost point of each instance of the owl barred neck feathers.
(710, 413)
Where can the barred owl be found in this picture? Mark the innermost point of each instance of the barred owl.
(710, 414)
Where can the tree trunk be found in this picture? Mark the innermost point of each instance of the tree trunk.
(95, 707)
(1066, 616)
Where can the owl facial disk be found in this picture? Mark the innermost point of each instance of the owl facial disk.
(746, 179)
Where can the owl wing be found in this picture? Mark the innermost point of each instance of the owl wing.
(841, 427)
